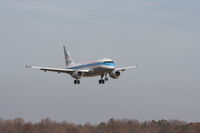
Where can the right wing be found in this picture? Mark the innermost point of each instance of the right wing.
(59, 70)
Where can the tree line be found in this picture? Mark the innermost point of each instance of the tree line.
(46, 125)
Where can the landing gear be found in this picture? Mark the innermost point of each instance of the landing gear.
(102, 81)
(106, 77)
(76, 81)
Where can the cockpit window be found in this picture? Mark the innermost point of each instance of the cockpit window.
(108, 62)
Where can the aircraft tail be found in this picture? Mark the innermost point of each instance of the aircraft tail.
(68, 58)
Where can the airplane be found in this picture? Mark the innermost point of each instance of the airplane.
(101, 67)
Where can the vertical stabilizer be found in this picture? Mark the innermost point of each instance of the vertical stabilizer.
(68, 58)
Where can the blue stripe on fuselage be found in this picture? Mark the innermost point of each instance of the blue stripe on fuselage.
(93, 64)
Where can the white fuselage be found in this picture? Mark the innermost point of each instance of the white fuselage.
(97, 67)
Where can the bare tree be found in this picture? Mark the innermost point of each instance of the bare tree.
(46, 125)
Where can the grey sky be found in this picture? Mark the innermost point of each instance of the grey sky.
(161, 36)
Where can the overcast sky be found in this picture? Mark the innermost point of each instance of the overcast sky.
(162, 36)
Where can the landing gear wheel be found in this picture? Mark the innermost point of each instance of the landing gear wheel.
(76, 81)
(101, 81)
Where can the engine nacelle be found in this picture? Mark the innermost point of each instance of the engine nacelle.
(77, 74)
(115, 74)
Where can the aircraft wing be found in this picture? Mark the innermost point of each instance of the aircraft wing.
(124, 68)
(59, 70)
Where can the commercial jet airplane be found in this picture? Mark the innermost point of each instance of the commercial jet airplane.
(101, 67)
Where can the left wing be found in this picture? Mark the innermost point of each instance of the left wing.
(59, 70)
(124, 68)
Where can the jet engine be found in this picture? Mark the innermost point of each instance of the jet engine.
(115, 74)
(77, 74)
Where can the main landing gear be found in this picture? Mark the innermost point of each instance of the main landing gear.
(76, 81)
(102, 81)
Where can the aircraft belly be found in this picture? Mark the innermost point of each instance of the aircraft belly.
(98, 71)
